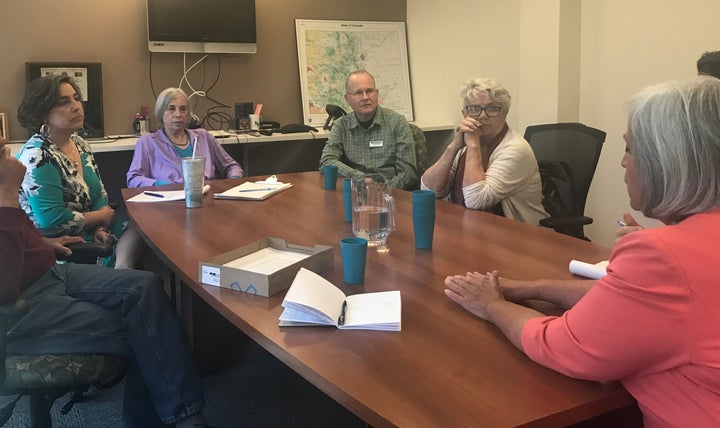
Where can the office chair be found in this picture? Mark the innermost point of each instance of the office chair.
(420, 148)
(44, 378)
(567, 155)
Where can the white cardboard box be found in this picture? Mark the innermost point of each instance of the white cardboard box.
(220, 272)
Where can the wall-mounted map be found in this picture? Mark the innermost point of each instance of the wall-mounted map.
(329, 50)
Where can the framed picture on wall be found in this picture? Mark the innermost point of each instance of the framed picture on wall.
(88, 77)
(4, 126)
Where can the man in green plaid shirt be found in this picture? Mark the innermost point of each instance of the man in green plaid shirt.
(372, 139)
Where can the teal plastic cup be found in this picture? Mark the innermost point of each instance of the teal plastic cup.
(354, 253)
(330, 173)
(423, 215)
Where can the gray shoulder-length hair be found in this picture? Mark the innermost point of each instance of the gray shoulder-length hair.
(498, 94)
(165, 98)
(676, 129)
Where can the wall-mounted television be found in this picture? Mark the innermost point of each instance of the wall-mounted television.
(201, 26)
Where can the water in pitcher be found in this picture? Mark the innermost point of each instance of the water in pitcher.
(371, 223)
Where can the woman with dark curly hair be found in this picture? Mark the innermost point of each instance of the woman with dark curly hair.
(62, 186)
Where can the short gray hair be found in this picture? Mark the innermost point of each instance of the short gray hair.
(498, 94)
(676, 129)
(165, 98)
(354, 73)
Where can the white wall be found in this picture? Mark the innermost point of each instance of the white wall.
(627, 45)
(623, 46)
(453, 41)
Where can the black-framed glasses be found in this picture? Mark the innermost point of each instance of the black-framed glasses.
(476, 110)
(360, 92)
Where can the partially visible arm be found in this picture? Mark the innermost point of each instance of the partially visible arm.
(15, 233)
(481, 296)
(511, 166)
(138, 174)
(437, 176)
(222, 160)
(474, 170)
(561, 292)
(334, 150)
(59, 244)
(631, 225)
(405, 162)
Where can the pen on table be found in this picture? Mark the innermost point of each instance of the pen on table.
(621, 223)
(257, 190)
(157, 195)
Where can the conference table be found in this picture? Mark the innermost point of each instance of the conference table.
(446, 367)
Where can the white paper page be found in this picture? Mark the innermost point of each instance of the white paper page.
(167, 195)
(379, 309)
(588, 270)
(291, 317)
(266, 261)
(250, 190)
(311, 290)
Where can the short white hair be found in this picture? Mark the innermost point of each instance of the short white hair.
(498, 94)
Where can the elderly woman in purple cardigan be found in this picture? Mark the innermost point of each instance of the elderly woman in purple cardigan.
(157, 156)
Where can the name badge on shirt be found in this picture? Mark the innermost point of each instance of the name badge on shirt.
(376, 143)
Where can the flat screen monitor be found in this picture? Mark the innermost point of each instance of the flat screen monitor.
(201, 26)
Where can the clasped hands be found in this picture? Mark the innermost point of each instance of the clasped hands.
(467, 133)
(476, 292)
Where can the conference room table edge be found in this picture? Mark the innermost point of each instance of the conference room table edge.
(616, 398)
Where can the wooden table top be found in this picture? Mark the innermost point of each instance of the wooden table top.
(446, 367)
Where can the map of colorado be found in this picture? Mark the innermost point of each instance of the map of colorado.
(329, 50)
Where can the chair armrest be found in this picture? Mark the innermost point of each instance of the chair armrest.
(559, 222)
(86, 252)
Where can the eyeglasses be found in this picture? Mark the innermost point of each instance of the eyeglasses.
(476, 110)
(360, 92)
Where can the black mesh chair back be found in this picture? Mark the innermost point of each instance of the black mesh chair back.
(576, 148)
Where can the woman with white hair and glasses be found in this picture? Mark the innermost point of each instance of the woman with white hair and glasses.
(654, 321)
(157, 157)
(488, 166)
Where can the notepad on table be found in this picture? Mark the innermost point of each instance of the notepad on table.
(589, 270)
(256, 191)
(312, 300)
(163, 195)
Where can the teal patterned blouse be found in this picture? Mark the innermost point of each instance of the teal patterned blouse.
(53, 194)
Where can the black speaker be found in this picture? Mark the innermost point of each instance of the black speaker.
(242, 115)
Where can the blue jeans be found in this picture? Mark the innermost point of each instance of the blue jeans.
(91, 309)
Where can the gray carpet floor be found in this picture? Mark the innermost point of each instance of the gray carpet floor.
(256, 390)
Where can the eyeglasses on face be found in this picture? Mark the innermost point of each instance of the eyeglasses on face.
(360, 92)
(476, 110)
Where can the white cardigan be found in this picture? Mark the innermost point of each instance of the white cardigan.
(512, 178)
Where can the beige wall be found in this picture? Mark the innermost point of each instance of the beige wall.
(587, 57)
(114, 34)
(627, 45)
